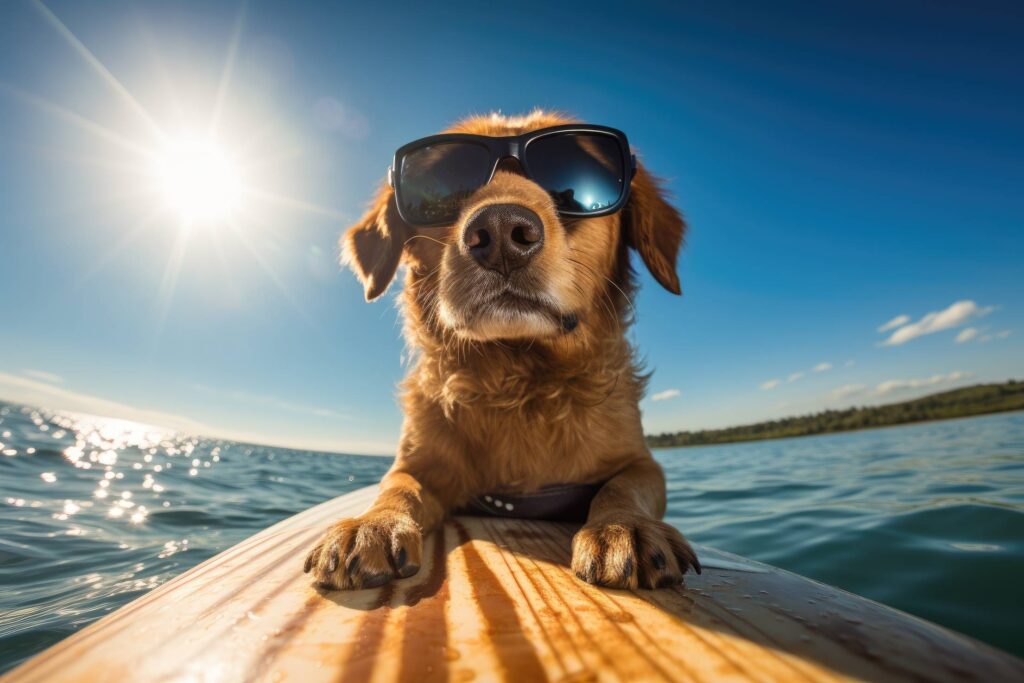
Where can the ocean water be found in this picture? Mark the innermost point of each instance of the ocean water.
(926, 518)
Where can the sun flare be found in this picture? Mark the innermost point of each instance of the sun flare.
(199, 180)
(192, 180)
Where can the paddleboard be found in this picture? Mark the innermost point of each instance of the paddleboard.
(495, 600)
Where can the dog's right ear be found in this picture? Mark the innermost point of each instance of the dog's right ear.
(372, 248)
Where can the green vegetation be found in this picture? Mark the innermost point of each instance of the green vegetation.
(975, 400)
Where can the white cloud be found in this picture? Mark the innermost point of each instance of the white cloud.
(957, 314)
(846, 391)
(40, 394)
(896, 385)
(665, 395)
(822, 367)
(48, 377)
(44, 395)
(332, 115)
(966, 335)
(850, 363)
(898, 321)
(770, 384)
(998, 335)
(275, 403)
(794, 377)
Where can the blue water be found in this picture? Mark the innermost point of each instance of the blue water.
(926, 518)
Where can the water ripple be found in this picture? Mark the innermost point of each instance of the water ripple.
(927, 518)
(97, 512)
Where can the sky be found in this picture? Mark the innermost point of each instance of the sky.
(851, 176)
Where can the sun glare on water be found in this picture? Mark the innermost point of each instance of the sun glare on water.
(199, 180)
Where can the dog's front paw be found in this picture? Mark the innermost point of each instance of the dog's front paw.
(632, 552)
(366, 552)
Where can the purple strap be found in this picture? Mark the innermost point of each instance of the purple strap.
(557, 502)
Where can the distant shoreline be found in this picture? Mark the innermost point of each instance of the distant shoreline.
(973, 401)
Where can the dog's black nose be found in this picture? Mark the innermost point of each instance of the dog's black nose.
(504, 237)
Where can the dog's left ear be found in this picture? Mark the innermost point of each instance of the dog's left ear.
(654, 228)
(373, 246)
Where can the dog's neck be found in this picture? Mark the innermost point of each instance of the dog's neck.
(521, 375)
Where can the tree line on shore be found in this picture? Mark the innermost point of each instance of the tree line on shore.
(974, 400)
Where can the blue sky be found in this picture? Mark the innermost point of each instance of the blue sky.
(839, 167)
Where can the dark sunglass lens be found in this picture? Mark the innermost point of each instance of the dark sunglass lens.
(583, 172)
(434, 180)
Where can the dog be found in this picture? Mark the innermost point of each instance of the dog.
(521, 377)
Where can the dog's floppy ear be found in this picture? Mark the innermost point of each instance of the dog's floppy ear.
(654, 228)
(372, 248)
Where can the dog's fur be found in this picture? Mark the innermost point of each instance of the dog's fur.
(504, 398)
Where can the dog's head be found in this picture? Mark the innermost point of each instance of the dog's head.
(510, 267)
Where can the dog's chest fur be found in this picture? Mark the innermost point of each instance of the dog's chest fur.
(523, 419)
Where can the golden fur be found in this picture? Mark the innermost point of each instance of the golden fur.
(505, 399)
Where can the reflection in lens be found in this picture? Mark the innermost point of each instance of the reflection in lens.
(435, 180)
(583, 172)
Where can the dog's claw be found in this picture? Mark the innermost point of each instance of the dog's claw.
(658, 560)
(668, 580)
(627, 570)
(632, 552)
(366, 552)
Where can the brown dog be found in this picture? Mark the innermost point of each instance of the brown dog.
(501, 397)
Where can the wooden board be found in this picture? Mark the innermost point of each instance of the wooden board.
(495, 600)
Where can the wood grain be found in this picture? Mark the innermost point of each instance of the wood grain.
(495, 600)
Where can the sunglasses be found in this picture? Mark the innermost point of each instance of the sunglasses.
(585, 169)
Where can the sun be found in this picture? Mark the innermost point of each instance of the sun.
(197, 176)
(199, 180)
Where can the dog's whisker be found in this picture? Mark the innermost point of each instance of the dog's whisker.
(614, 317)
(427, 237)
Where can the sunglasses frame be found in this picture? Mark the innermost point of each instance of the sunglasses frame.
(514, 146)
